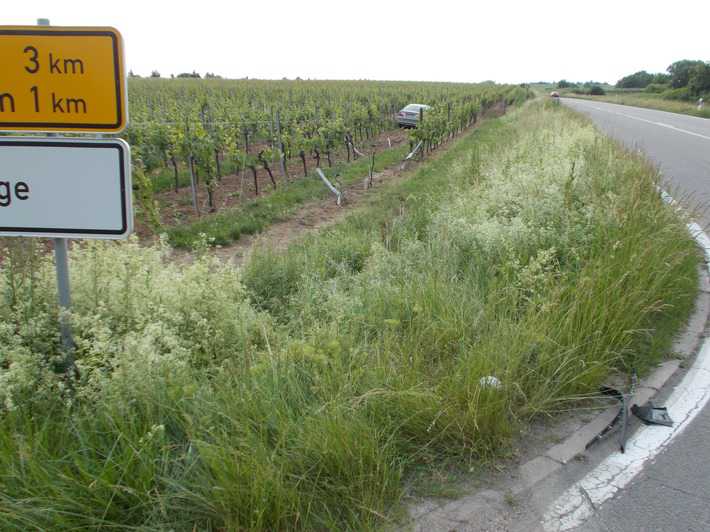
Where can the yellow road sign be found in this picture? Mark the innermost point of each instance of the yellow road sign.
(62, 79)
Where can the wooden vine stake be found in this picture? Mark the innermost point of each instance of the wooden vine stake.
(371, 171)
(421, 123)
(282, 150)
(193, 185)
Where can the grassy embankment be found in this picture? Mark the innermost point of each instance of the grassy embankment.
(301, 392)
(650, 101)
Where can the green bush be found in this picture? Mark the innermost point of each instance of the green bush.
(596, 90)
(638, 80)
(656, 88)
(133, 314)
(681, 93)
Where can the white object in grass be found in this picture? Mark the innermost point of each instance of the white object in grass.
(490, 382)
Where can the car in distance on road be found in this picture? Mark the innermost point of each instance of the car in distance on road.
(409, 115)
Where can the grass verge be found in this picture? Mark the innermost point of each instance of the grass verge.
(301, 392)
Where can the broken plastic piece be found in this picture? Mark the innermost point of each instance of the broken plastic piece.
(621, 416)
(652, 415)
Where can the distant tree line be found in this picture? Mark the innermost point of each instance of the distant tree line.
(587, 87)
(685, 80)
(193, 74)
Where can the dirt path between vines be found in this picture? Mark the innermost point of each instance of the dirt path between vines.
(317, 214)
(311, 217)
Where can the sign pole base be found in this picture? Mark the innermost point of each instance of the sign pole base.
(63, 288)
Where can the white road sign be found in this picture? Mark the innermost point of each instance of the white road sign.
(65, 188)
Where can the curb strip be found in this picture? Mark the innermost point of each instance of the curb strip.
(686, 345)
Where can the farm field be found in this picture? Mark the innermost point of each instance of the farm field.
(218, 146)
(303, 390)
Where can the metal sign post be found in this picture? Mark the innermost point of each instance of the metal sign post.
(61, 264)
(61, 261)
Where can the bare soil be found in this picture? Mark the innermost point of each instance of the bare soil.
(313, 216)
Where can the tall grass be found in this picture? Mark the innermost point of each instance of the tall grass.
(301, 392)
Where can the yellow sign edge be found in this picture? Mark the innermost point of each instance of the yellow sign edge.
(121, 80)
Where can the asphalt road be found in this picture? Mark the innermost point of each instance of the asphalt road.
(673, 492)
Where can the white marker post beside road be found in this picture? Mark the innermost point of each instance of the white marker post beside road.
(65, 188)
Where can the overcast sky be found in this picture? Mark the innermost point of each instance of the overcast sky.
(441, 40)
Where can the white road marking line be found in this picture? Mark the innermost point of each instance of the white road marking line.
(580, 501)
(661, 124)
